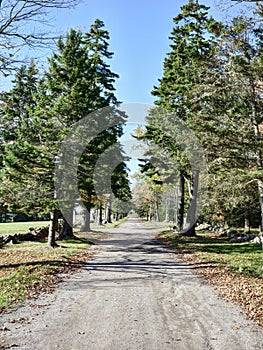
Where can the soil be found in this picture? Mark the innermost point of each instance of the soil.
(134, 294)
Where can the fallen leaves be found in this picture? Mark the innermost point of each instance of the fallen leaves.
(245, 291)
(234, 271)
(28, 270)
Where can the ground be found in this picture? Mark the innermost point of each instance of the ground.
(134, 294)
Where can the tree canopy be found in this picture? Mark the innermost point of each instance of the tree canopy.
(40, 111)
(212, 82)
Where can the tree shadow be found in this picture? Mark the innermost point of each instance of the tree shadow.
(53, 263)
(216, 245)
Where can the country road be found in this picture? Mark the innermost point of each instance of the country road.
(134, 295)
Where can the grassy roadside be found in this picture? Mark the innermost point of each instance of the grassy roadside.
(235, 270)
(29, 268)
(116, 223)
(20, 227)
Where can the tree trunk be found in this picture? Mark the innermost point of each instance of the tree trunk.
(67, 227)
(247, 220)
(85, 224)
(167, 213)
(191, 213)
(180, 208)
(53, 225)
(258, 137)
(151, 211)
(100, 219)
(108, 212)
(157, 210)
(260, 189)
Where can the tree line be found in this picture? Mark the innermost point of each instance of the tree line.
(37, 114)
(213, 82)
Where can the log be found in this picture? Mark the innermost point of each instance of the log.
(34, 234)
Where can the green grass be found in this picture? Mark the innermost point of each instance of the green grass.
(20, 227)
(242, 258)
(116, 223)
(28, 268)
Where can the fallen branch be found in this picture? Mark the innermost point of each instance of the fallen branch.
(34, 234)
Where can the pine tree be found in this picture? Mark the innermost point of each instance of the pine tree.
(80, 82)
(191, 55)
(30, 143)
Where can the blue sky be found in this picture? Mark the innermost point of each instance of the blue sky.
(139, 31)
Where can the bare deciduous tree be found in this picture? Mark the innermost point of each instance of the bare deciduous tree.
(22, 23)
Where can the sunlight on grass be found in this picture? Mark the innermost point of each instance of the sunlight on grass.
(27, 267)
(20, 227)
(243, 258)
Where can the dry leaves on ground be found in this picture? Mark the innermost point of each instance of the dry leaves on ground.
(246, 291)
(49, 278)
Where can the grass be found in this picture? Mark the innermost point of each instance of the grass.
(20, 227)
(241, 258)
(235, 270)
(116, 223)
(29, 268)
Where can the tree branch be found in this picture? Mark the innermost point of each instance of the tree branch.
(16, 30)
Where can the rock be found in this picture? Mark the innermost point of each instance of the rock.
(231, 233)
(202, 227)
(258, 240)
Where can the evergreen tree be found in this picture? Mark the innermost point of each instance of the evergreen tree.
(225, 112)
(232, 115)
(80, 82)
(190, 58)
(42, 112)
(28, 158)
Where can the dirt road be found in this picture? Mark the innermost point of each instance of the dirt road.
(133, 295)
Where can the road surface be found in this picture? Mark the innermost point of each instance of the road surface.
(134, 295)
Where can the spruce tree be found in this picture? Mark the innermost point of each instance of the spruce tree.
(29, 147)
(80, 82)
(231, 128)
(43, 111)
(191, 55)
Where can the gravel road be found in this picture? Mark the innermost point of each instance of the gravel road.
(134, 294)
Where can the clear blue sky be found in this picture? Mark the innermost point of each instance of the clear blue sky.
(139, 31)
